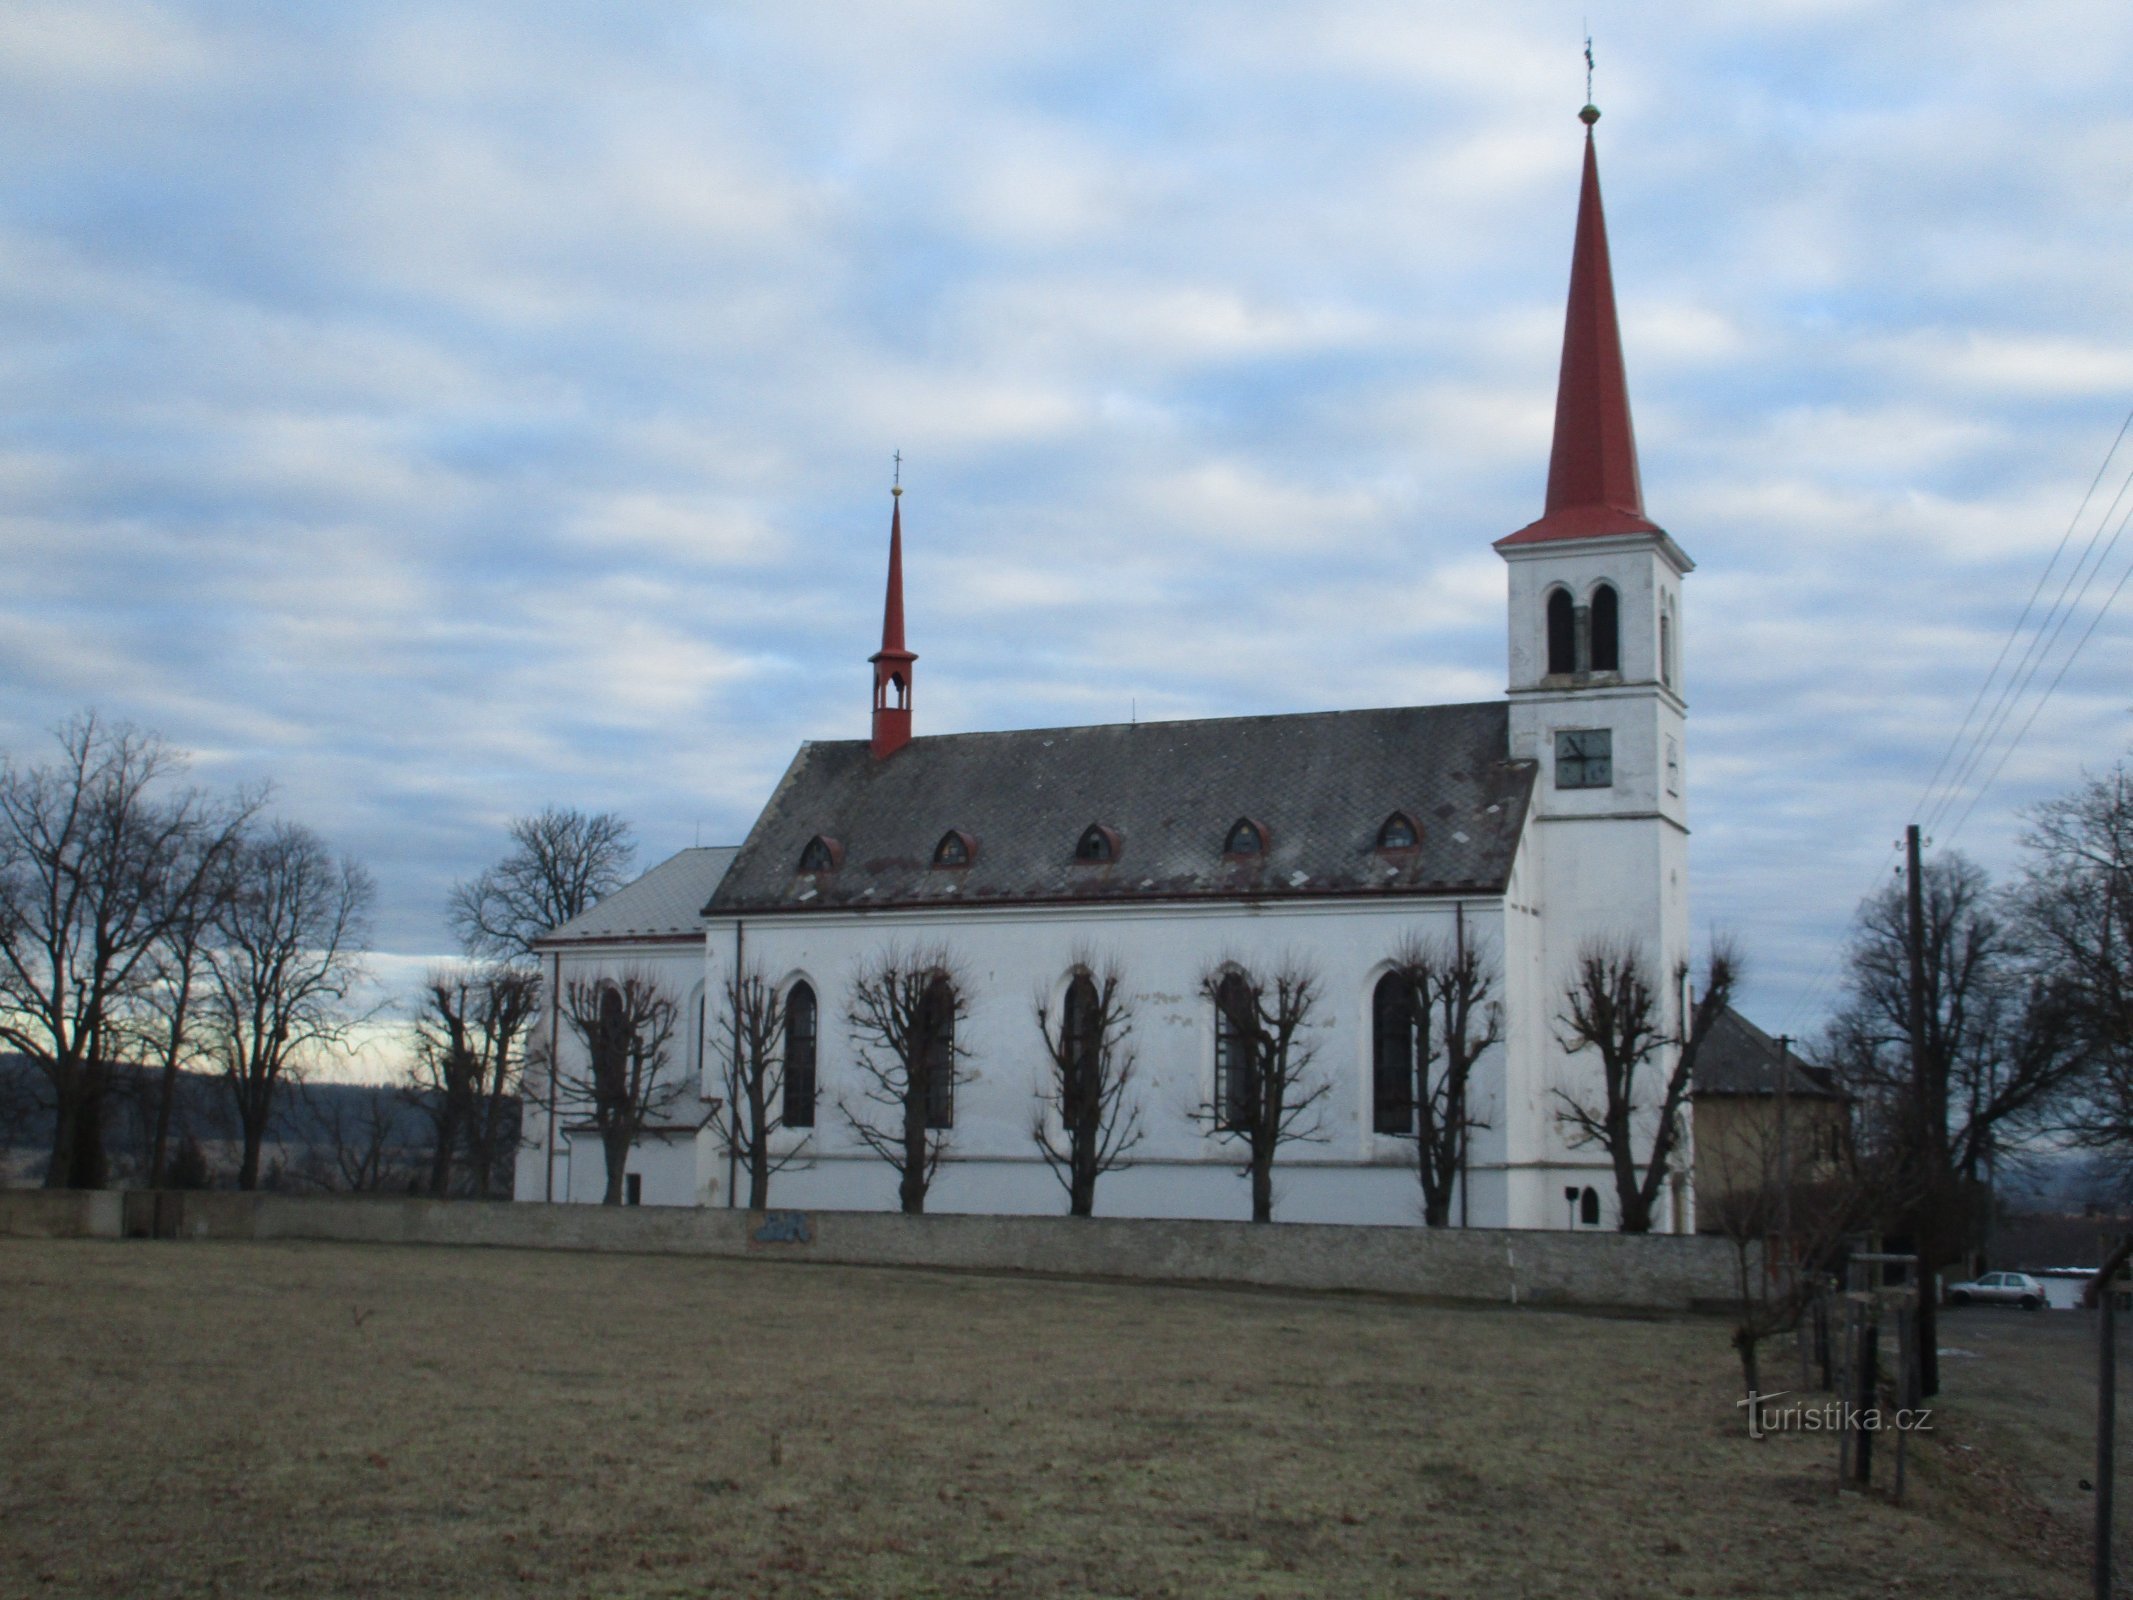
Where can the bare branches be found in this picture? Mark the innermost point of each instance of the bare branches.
(98, 857)
(1447, 991)
(626, 1025)
(1085, 1125)
(1265, 1096)
(903, 1019)
(1612, 1009)
(468, 1063)
(560, 864)
(286, 958)
(754, 1043)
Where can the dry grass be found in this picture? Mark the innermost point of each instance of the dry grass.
(241, 1419)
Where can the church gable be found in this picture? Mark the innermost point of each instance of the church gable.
(1162, 801)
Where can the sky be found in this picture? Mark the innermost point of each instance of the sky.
(443, 410)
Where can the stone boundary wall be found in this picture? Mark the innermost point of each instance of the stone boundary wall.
(1603, 1270)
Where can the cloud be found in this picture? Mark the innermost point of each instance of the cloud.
(447, 409)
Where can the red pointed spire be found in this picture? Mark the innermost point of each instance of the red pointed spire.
(1593, 487)
(892, 662)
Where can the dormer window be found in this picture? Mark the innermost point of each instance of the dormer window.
(1397, 832)
(1097, 844)
(823, 854)
(955, 849)
(1246, 838)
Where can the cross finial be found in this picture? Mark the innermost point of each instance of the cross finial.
(898, 486)
(1591, 113)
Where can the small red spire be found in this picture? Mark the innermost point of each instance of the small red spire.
(1593, 486)
(892, 662)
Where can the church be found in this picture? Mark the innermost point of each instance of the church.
(1526, 829)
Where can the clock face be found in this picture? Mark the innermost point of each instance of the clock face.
(1584, 758)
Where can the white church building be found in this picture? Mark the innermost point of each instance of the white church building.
(1528, 828)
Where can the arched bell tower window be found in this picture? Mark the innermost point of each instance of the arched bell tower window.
(1398, 832)
(1562, 632)
(1666, 645)
(822, 854)
(956, 849)
(1097, 843)
(1606, 629)
(1246, 838)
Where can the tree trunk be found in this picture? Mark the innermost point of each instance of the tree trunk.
(1263, 1188)
(441, 1157)
(758, 1145)
(912, 1191)
(615, 1146)
(59, 1172)
(255, 1134)
(1751, 1372)
(1436, 1210)
(159, 1143)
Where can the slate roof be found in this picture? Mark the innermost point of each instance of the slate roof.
(1320, 784)
(666, 902)
(1740, 1059)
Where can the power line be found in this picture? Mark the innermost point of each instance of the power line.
(2038, 651)
(2029, 605)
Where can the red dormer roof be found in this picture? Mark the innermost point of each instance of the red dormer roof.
(1593, 487)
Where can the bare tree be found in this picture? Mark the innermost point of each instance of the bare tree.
(1086, 1083)
(162, 1015)
(1612, 1008)
(2074, 909)
(350, 1139)
(904, 1016)
(1265, 1095)
(1787, 1210)
(469, 1028)
(753, 1042)
(287, 956)
(561, 863)
(627, 1025)
(1450, 1014)
(97, 859)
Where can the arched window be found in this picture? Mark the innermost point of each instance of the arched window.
(1097, 843)
(1392, 1056)
(799, 1107)
(1589, 1208)
(1236, 1081)
(1246, 838)
(955, 849)
(1606, 629)
(823, 854)
(936, 1051)
(1666, 647)
(1397, 832)
(1562, 632)
(1081, 1023)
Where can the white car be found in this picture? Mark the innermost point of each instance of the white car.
(2000, 1288)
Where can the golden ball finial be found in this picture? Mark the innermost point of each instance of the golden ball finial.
(1589, 115)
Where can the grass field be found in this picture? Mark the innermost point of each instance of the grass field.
(254, 1419)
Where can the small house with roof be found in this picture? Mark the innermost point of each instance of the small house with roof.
(1524, 828)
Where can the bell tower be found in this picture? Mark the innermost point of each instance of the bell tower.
(1596, 702)
(892, 662)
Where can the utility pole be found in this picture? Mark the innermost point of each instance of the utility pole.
(1785, 1148)
(1927, 1140)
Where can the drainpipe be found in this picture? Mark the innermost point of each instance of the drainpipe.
(1466, 1133)
(555, 1066)
(733, 1112)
